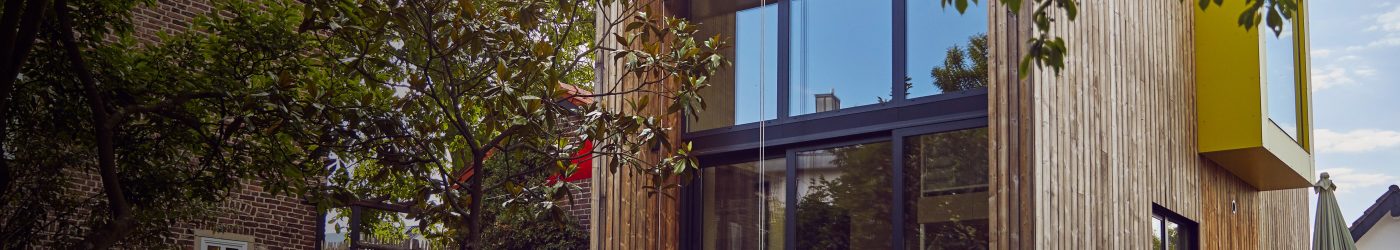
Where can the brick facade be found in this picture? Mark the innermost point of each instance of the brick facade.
(578, 208)
(273, 222)
(250, 213)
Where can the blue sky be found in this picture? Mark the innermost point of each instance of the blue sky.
(1355, 50)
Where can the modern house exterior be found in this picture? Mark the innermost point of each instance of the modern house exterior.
(902, 125)
(1378, 227)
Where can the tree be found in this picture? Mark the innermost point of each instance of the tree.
(169, 129)
(482, 84)
(955, 74)
(1049, 50)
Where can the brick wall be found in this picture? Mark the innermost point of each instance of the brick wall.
(168, 16)
(578, 206)
(271, 222)
(274, 222)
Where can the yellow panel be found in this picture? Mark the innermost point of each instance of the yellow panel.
(1229, 103)
(1231, 112)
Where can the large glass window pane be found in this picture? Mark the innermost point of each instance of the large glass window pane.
(744, 205)
(844, 197)
(946, 190)
(947, 51)
(840, 54)
(736, 93)
(1280, 81)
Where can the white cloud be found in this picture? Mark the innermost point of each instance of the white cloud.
(1389, 21)
(1355, 141)
(1333, 75)
(1389, 40)
(1325, 78)
(1322, 53)
(1365, 71)
(1387, 24)
(1349, 179)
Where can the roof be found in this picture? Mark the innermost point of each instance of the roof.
(1388, 203)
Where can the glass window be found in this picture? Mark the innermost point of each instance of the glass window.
(1170, 231)
(946, 51)
(1280, 81)
(221, 244)
(744, 205)
(841, 54)
(946, 190)
(734, 95)
(844, 197)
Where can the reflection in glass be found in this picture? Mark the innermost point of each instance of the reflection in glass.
(946, 190)
(1175, 241)
(733, 96)
(1280, 80)
(841, 54)
(1157, 233)
(743, 205)
(844, 197)
(947, 51)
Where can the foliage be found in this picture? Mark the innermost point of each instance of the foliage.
(824, 225)
(179, 124)
(955, 75)
(522, 229)
(481, 110)
(1047, 49)
(858, 198)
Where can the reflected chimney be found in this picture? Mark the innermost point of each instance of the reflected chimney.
(828, 102)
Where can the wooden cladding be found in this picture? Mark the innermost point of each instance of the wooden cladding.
(624, 214)
(1113, 134)
(1009, 107)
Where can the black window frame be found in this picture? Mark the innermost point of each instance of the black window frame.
(692, 195)
(899, 62)
(891, 121)
(1186, 228)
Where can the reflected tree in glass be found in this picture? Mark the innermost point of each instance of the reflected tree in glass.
(957, 73)
(845, 197)
(932, 31)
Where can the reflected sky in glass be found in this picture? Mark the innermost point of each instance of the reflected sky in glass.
(932, 29)
(842, 48)
(1280, 80)
(756, 26)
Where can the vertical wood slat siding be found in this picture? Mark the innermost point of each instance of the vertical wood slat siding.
(1013, 224)
(1113, 134)
(625, 215)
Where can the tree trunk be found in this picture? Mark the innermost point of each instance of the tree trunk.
(14, 48)
(474, 237)
(122, 221)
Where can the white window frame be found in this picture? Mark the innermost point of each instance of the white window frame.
(206, 242)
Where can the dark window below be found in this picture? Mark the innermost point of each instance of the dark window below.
(1171, 231)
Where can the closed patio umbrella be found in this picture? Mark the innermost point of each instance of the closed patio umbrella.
(1329, 230)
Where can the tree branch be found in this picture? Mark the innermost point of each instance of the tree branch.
(122, 220)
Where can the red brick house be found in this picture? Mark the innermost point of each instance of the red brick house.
(250, 218)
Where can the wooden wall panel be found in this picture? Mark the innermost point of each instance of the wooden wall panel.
(1113, 134)
(1283, 216)
(1013, 224)
(625, 215)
